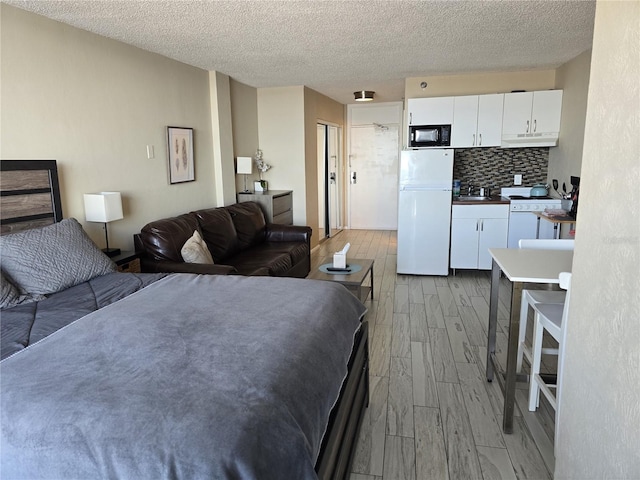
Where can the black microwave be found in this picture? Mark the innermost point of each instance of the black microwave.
(429, 135)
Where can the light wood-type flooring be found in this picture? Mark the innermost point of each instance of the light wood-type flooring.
(432, 414)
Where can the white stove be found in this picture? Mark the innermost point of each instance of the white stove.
(523, 223)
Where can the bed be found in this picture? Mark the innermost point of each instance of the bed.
(122, 375)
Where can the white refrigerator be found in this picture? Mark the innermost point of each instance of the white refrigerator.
(424, 211)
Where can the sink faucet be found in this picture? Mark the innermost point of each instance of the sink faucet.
(470, 190)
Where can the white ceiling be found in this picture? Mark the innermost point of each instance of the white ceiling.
(339, 46)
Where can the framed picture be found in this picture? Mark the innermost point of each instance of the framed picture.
(181, 164)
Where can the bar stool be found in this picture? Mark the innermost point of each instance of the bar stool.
(553, 319)
(532, 297)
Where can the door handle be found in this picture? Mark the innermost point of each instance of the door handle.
(332, 177)
(353, 178)
(527, 126)
(535, 125)
(480, 142)
(410, 118)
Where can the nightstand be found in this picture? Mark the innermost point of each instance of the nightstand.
(128, 262)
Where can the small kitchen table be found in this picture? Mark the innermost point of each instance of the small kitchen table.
(520, 265)
(557, 220)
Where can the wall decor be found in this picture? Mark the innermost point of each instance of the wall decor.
(181, 163)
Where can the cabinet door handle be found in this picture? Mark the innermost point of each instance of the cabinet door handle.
(410, 118)
(474, 140)
(477, 221)
(480, 142)
(482, 225)
(527, 126)
(535, 125)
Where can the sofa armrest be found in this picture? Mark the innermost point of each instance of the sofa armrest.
(288, 233)
(152, 266)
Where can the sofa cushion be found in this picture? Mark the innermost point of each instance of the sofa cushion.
(250, 224)
(298, 251)
(218, 232)
(253, 261)
(163, 239)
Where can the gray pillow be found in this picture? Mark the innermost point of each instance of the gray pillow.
(9, 295)
(49, 259)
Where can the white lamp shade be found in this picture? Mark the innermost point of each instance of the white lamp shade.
(244, 165)
(102, 207)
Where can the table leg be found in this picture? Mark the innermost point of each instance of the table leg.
(512, 351)
(493, 318)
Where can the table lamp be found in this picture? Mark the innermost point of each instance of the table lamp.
(244, 168)
(104, 207)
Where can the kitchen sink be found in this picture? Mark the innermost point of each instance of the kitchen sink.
(471, 198)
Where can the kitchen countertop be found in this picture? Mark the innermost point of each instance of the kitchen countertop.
(493, 200)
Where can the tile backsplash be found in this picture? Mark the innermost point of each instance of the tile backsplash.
(495, 167)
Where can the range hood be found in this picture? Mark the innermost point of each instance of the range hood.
(521, 140)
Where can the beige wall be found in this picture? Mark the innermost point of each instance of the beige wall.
(94, 104)
(244, 119)
(479, 83)
(281, 138)
(287, 119)
(222, 138)
(566, 159)
(599, 433)
(317, 108)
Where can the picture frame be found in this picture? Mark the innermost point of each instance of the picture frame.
(180, 155)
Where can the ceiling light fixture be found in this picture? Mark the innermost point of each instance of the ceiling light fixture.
(364, 95)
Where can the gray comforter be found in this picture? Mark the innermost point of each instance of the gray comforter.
(25, 324)
(190, 377)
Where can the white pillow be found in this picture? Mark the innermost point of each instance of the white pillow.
(195, 250)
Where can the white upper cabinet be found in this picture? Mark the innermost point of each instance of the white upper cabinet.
(546, 111)
(477, 121)
(430, 111)
(465, 122)
(490, 119)
(531, 117)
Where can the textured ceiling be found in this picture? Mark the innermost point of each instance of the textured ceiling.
(339, 46)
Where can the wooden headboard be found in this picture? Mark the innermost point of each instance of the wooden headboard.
(29, 194)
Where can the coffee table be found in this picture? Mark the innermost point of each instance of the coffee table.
(353, 281)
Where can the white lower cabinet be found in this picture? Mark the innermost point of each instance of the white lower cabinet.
(475, 229)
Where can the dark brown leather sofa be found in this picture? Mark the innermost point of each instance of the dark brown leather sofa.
(238, 237)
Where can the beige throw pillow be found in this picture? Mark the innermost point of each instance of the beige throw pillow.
(195, 250)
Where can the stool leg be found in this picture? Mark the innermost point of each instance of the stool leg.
(534, 389)
(522, 332)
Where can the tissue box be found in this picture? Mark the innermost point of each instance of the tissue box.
(339, 260)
